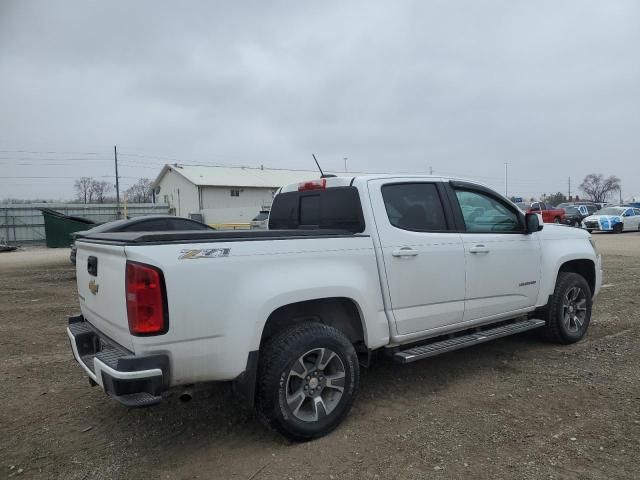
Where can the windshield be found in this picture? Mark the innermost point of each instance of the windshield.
(571, 210)
(610, 211)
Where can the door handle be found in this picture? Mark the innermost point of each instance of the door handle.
(479, 249)
(404, 252)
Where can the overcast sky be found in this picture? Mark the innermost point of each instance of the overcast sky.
(551, 87)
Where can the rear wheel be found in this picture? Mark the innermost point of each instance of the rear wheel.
(307, 381)
(569, 311)
(556, 220)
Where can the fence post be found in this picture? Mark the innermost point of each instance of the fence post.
(6, 222)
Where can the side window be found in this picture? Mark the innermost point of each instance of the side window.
(235, 192)
(157, 225)
(181, 224)
(636, 211)
(483, 213)
(414, 206)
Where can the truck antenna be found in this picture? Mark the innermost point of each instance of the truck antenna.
(316, 160)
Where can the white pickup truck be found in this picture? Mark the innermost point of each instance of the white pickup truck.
(412, 266)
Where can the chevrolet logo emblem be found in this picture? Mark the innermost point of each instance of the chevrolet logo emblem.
(93, 287)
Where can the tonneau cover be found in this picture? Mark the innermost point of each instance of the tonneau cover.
(137, 238)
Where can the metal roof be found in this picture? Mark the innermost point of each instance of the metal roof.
(205, 175)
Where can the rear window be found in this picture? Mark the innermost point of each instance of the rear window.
(334, 208)
(611, 211)
(414, 206)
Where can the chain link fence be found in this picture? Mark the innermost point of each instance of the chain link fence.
(23, 224)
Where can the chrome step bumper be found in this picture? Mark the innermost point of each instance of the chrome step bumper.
(135, 381)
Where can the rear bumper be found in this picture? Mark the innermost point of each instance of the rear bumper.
(133, 380)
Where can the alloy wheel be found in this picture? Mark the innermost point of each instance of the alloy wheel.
(315, 384)
(574, 309)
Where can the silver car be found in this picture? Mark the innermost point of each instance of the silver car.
(260, 221)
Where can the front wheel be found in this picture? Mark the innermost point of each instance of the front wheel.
(617, 228)
(307, 380)
(569, 311)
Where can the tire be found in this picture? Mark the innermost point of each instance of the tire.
(295, 371)
(556, 220)
(618, 228)
(561, 327)
(577, 224)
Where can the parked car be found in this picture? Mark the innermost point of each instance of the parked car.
(261, 220)
(411, 266)
(613, 219)
(150, 223)
(574, 214)
(549, 214)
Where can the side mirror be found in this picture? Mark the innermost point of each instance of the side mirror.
(532, 223)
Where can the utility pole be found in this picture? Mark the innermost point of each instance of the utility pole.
(569, 198)
(430, 170)
(115, 157)
(506, 179)
(345, 165)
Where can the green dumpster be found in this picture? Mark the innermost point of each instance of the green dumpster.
(58, 227)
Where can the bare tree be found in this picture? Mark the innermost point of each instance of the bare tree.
(99, 189)
(140, 192)
(83, 190)
(598, 188)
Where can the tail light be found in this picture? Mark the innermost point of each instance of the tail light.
(320, 184)
(146, 300)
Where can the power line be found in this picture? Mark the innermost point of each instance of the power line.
(52, 177)
(51, 152)
(31, 159)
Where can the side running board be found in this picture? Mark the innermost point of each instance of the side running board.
(435, 348)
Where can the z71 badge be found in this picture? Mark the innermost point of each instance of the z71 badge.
(203, 253)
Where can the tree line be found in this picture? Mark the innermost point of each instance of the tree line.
(596, 187)
(90, 190)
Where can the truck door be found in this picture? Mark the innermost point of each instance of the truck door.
(423, 257)
(502, 262)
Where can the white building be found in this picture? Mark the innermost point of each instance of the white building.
(222, 195)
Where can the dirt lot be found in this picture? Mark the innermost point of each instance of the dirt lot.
(515, 408)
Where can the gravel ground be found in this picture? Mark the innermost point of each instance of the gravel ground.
(514, 408)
